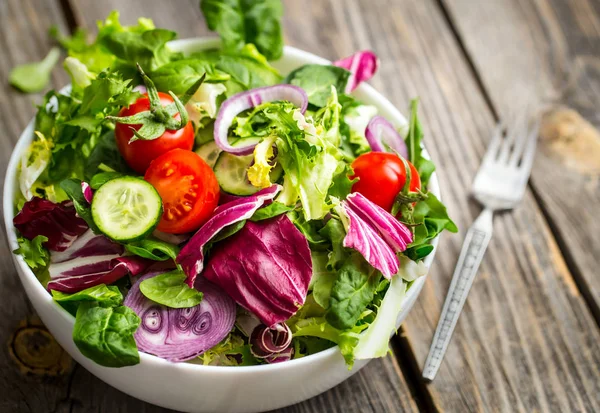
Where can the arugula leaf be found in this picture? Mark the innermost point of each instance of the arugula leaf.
(105, 296)
(317, 81)
(334, 231)
(153, 249)
(425, 167)
(431, 218)
(105, 153)
(239, 22)
(351, 293)
(72, 188)
(171, 290)
(33, 252)
(33, 77)
(105, 334)
(270, 211)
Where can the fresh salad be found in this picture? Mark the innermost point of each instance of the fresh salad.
(208, 208)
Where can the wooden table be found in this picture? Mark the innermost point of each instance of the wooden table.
(529, 337)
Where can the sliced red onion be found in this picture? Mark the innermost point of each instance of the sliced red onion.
(395, 233)
(364, 239)
(81, 273)
(247, 100)
(268, 342)
(86, 189)
(180, 334)
(191, 257)
(362, 66)
(57, 222)
(380, 132)
(87, 244)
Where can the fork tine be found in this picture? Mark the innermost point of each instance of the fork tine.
(519, 124)
(529, 152)
(495, 142)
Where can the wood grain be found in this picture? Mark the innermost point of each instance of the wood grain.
(526, 340)
(23, 38)
(557, 61)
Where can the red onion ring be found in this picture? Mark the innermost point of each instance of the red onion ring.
(379, 132)
(180, 334)
(247, 100)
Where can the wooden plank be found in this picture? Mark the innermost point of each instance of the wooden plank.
(379, 387)
(558, 57)
(526, 340)
(23, 38)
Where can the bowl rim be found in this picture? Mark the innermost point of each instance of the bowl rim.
(198, 44)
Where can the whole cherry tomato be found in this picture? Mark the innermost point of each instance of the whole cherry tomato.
(381, 176)
(140, 153)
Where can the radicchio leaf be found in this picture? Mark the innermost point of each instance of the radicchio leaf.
(91, 260)
(179, 334)
(265, 267)
(57, 222)
(362, 65)
(86, 190)
(81, 273)
(191, 257)
(375, 233)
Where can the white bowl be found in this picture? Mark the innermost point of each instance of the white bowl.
(196, 388)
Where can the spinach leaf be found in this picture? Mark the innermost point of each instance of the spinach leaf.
(180, 75)
(148, 48)
(33, 252)
(270, 211)
(103, 177)
(239, 22)
(153, 249)
(317, 80)
(105, 296)
(105, 334)
(171, 290)
(351, 293)
(72, 188)
(33, 77)
(246, 73)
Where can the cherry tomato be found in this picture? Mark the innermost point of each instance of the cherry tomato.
(140, 153)
(188, 188)
(381, 176)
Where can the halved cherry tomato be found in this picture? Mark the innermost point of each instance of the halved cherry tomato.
(188, 188)
(381, 176)
(140, 153)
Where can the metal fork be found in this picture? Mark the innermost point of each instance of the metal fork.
(499, 185)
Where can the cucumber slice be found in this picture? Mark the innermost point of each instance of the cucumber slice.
(232, 171)
(209, 152)
(126, 209)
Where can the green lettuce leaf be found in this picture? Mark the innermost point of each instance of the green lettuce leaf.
(33, 252)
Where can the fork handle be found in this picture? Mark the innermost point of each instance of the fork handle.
(472, 252)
